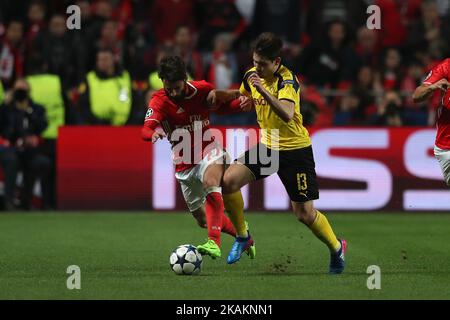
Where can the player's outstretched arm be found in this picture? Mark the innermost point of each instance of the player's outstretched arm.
(149, 134)
(217, 97)
(229, 101)
(151, 130)
(424, 91)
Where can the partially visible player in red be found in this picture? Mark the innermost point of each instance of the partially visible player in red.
(182, 110)
(439, 79)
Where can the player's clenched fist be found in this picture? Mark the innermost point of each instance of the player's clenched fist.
(255, 81)
(157, 135)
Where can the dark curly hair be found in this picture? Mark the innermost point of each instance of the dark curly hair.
(172, 68)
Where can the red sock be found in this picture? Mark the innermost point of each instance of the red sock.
(227, 226)
(214, 212)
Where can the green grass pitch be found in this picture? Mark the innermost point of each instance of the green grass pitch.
(126, 256)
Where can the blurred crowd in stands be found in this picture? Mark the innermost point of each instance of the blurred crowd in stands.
(350, 75)
(105, 72)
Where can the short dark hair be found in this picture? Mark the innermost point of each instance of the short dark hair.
(172, 68)
(268, 46)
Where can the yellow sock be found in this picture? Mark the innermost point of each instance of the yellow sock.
(234, 205)
(322, 230)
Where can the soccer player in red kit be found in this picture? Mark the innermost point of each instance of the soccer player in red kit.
(439, 79)
(182, 110)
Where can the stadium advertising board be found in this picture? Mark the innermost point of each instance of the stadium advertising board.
(360, 169)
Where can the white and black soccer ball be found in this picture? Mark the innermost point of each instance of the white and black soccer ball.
(185, 259)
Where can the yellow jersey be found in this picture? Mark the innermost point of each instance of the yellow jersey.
(283, 85)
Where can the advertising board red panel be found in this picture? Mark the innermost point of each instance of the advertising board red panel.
(359, 169)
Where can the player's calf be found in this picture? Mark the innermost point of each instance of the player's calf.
(304, 212)
(199, 216)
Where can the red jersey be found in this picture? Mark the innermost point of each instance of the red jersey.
(189, 116)
(442, 71)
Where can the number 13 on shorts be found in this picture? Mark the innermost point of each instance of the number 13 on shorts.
(302, 183)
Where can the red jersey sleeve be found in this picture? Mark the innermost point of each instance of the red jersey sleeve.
(204, 86)
(441, 71)
(153, 118)
(229, 108)
(203, 89)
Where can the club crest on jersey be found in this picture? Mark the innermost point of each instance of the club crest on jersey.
(149, 113)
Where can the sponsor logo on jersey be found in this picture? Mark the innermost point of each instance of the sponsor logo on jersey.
(260, 101)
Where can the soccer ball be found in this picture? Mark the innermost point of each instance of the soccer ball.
(185, 259)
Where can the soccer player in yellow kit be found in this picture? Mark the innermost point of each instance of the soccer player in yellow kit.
(274, 92)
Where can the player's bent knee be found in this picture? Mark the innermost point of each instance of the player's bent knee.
(230, 185)
(210, 183)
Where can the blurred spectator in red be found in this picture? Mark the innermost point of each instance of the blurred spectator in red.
(123, 15)
(167, 15)
(329, 59)
(184, 47)
(36, 21)
(390, 76)
(428, 32)
(367, 48)
(413, 113)
(222, 70)
(12, 54)
(396, 17)
(218, 16)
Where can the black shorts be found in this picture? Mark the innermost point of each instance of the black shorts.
(296, 169)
